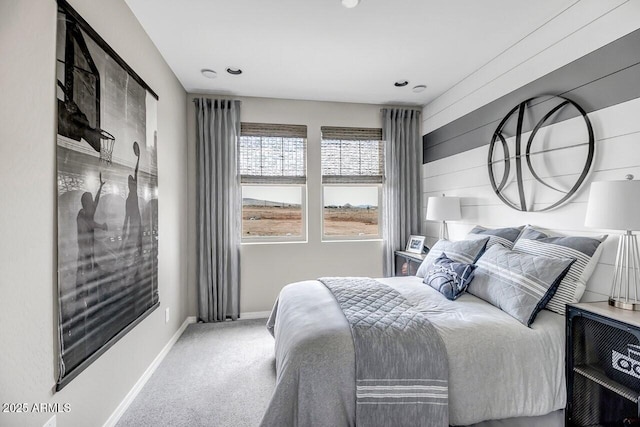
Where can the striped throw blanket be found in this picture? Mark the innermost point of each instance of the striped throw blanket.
(401, 361)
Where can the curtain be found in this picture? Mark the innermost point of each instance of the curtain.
(218, 209)
(402, 191)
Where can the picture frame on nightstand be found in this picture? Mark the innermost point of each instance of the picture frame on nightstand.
(415, 244)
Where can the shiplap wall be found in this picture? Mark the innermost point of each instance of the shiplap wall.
(580, 29)
(616, 128)
(465, 175)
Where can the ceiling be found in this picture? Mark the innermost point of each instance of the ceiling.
(320, 50)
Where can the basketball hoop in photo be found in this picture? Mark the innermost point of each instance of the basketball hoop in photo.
(107, 141)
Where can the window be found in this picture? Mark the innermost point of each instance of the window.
(352, 176)
(272, 163)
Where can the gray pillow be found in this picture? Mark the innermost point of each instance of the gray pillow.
(519, 284)
(465, 251)
(586, 251)
(504, 236)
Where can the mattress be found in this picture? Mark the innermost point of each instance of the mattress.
(498, 368)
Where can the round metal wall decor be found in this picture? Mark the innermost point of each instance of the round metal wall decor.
(541, 153)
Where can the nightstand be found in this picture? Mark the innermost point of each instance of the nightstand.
(602, 365)
(407, 263)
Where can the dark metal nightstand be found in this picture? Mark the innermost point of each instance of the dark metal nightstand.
(602, 365)
(407, 263)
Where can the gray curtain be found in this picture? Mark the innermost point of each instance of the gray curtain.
(402, 191)
(218, 209)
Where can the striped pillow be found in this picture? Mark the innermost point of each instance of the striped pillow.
(518, 284)
(586, 251)
(465, 251)
(504, 236)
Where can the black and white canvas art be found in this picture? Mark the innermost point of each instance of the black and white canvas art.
(107, 195)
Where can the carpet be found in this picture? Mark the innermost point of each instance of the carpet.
(216, 375)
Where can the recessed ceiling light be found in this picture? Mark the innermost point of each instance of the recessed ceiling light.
(235, 71)
(210, 74)
(419, 88)
(401, 83)
(350, 3)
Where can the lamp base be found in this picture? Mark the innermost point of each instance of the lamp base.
(444, 231)
(625, 305)
(626, 279)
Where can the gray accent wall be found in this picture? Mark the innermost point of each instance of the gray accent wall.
(607, 76)
(592, 60)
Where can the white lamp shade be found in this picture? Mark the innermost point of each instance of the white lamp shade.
(614, 205)
(443, 208)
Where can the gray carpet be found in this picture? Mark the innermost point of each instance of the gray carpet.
(216, 375)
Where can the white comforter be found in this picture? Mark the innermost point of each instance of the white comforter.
(498, 368)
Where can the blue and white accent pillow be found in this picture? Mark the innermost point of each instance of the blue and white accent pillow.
(503, 236)
(448, 277)
(517, 283)
(465, 251)
(585, 250)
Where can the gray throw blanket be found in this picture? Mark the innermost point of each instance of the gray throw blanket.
(401, 361)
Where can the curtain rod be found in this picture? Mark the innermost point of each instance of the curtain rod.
(418, 109)
(216, 99)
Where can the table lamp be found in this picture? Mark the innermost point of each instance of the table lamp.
(615, 205)
(441, 208)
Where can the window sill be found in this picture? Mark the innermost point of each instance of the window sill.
(273, 242)
(349, 240)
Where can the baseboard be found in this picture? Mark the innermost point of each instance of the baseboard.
(120, 410)
(254, 315)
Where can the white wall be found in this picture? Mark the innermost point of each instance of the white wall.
(28, 356)
(580, 29)
(584, 28)
(266, 268)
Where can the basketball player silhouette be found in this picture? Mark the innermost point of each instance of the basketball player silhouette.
(132, 227)
(87, 265)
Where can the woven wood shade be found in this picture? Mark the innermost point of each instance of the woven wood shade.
(272, 153)
(352, 155)
(273, 130)
(353, 134)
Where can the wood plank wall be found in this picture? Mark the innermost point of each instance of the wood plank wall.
(456, 151)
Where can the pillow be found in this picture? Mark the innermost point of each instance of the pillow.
(517, 283)
(448, 277)
(504, 236)
(586, 251)
(466, 251)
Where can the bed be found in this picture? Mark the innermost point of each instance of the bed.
(499, 369)
(477, 337)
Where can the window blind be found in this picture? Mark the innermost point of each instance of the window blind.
(352, 155)
(272, 153)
